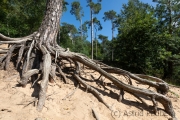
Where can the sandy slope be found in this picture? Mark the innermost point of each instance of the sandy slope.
(15, 102)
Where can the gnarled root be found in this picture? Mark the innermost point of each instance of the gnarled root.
(34, 57)
(45, 79)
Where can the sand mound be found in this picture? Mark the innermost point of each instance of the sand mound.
(18, 103)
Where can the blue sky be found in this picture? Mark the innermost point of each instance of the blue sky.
(107, 5)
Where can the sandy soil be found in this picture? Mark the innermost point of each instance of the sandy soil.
(17, 103)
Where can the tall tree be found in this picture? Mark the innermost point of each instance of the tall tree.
(111, 15)
(94, 9)
(135, 47)
(168, 14)
(40, 54)
(76, 10)
(97, 25)
(85, 29)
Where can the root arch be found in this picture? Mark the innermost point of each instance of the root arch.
(38, 56)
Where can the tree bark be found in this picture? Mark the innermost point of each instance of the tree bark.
(39, 51)
(48, 30)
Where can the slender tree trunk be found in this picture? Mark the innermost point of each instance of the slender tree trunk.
(112, 39)
(96, 40)
(96, 49)
(91, 34)
(170, 15)
(96, 43)
(81, 29)
(112, 30)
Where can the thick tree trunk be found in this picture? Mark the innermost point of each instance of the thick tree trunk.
(47, 34)
(48, 30)
(40, 54)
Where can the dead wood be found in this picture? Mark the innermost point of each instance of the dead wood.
(121, 95)
(3, 51)
(142, 101)
(91, 89)
(8, 58)
(63, 75)
(52, 73)
(159, 97)
(40, 54)
(161, 87)
(21, 51)
(27, 75)
(45, 79)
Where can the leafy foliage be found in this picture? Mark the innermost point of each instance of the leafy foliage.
(70, 38)
(19, 17)
(136, 45)
(105, 47)
(111, 15)
(76, 10)
(167, 12)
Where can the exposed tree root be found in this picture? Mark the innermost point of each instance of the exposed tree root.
(91, 89)
(30, 102)
(48, 71)
(27, 75)
(160, 85)
(45, 79)
(38, 56)
(143, 102)
(121, 95)
(63, 75)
